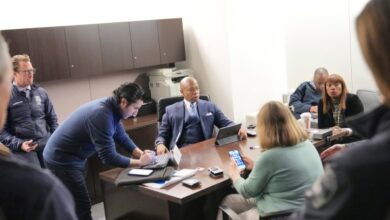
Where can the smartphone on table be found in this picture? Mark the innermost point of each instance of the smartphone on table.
(235, 154)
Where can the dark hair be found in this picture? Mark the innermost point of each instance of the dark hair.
(132, 92)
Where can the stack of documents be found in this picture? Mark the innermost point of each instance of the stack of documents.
(177, 176)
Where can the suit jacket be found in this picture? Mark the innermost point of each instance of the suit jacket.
(173, 120)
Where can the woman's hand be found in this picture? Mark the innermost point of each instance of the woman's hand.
(248, 162)
(234, 171)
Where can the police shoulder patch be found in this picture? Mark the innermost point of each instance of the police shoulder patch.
(323, 189)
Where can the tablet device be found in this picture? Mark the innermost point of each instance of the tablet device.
(227, 135)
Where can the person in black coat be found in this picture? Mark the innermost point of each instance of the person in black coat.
(356, 183)
(337, 104)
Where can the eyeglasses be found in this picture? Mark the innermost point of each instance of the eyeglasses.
(32, 71)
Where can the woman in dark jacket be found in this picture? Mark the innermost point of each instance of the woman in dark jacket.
(337, 104)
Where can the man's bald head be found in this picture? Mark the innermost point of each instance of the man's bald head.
(320, 76)
(321, 70)
(189, 88)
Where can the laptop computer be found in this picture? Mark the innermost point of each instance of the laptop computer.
(227, 135)
(162, 160)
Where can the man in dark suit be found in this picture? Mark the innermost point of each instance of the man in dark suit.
(191, 120)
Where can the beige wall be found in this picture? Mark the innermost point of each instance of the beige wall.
(244, 53)
(67, 95)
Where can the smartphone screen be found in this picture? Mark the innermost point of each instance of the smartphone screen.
(140, 172)
(235, 154)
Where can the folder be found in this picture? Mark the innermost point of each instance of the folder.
(125, 179)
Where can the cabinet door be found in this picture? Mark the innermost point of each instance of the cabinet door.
(116, 47)
(144, 43)
(170, 33)
(48, 53)
(84, 50)
(17, 41)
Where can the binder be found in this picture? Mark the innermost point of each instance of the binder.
(125, 179)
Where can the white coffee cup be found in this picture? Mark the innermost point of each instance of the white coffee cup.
(306, 119)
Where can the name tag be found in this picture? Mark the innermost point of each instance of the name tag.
(38, 100)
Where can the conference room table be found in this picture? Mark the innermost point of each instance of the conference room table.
(177, 201)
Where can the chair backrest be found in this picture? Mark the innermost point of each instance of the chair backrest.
(370, 99)
(164, 102)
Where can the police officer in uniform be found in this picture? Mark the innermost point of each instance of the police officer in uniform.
(31, 117)
(356, 182)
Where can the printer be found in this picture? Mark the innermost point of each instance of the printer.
(165, 82)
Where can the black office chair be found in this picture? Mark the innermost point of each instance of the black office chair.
(370, 99)
(228, 213)
(164, 102)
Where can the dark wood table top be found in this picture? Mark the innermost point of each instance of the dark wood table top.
(202, 155)
(139, 122)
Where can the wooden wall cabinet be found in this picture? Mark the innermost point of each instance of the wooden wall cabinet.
(171, 39)
(115, 40)
(48, 53)
(17, 41)
(144, 42)
(85, 50)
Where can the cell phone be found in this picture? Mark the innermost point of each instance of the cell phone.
(215, 171)
(140, 172)
(191, 182)
(235, 154)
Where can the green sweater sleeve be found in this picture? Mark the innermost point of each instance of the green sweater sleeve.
(257, 180)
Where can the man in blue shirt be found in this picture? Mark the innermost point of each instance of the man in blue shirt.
(95, 127)
(31, 117)
(308, 94)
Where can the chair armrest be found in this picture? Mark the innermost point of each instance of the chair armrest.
(228, 213)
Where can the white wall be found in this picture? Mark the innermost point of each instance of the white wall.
(244, 52)
(207, 50)
(257, 54)
(361, 74)
(317, 34)
(322, 33)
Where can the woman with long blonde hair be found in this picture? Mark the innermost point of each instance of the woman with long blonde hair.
(286, 168)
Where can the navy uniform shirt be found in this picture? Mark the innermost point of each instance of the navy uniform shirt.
(356, 183)
(28, 118)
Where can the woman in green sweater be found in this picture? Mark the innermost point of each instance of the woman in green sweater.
(288, 165)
